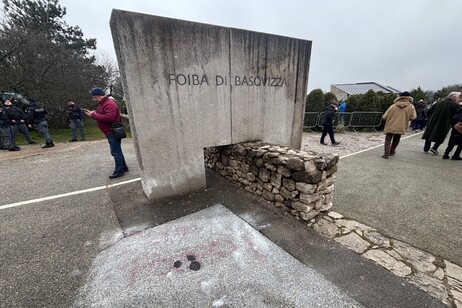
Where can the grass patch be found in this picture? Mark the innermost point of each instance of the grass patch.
(59, 135)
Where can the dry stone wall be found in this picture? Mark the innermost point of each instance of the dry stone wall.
(301, 181)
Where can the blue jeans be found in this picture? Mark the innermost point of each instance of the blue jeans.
(74, 124)
(116, 152)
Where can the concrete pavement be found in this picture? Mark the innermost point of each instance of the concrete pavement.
(50, 250)
(413, 196)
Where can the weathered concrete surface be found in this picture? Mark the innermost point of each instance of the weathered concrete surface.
(210, 258)
(48, 247)
(190, 86)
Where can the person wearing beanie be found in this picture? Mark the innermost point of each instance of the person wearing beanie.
(105, 115)
(439, 123)
(397, 119)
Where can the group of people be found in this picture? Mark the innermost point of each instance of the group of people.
(14, 119)
(442, 116)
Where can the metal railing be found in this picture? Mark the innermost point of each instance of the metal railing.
(350, 120)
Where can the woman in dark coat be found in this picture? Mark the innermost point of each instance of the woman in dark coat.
(455, 139)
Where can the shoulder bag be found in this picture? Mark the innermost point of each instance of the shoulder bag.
(118, 130)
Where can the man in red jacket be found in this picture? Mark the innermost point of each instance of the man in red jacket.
(106, 114)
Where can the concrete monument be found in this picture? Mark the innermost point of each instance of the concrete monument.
(191, 85)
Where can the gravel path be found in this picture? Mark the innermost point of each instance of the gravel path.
(350, 142)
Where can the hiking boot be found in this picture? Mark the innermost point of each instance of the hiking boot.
(17, 148)
(336, 143)
(445, 156)
(73, 140)
(32, 142)
(434, 151)
(14, 149)
(456, 158)
(323, 143)
(48, 145)
(385, 156)
(116, 175)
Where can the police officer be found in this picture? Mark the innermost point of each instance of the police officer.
(37, 116)
(75, 114)
(22, 126)
(5, 128)
(15, 118)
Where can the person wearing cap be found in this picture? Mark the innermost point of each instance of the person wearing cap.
(106, 114)
(439, 123)
(328, 125)
(397, 119)
(75, 115)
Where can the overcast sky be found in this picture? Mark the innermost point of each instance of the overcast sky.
(402, 44)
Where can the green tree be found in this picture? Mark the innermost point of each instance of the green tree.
(370, 101)
(42, 57)
(354, 103)
(418, 94)
(315, 101)
(385, 100)
(45, 18)
(329, 98)
(444, 92)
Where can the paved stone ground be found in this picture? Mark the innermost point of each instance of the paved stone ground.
(438, 277)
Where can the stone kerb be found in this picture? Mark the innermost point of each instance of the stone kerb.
(190, 85)
(302, 182)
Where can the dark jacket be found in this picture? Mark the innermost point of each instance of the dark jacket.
(439, 123)
(4, 122)
(421, 111)
(456, 137)
(36, 112)
(329, 115)
(75, 112)
(106, 114)
(15, 115)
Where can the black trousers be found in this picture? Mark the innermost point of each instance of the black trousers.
(327, 129)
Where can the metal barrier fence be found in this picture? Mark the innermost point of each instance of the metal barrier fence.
(351, 120)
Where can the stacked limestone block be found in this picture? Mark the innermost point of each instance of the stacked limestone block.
(301, 181)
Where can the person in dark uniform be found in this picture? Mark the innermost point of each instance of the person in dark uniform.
(328, 125)
(75, 114)
(5, 128)
(15, 117)
(22, 126)
(37, 116)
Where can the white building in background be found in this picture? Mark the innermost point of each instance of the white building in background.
(343, 91)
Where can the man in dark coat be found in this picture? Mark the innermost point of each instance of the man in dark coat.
(328, 125)
(439, 123)
(455, 139)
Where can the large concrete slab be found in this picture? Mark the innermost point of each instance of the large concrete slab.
(190, 85)
(210, 258)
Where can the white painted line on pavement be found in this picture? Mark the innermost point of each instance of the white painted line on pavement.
(377, 146)
(78, 192)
